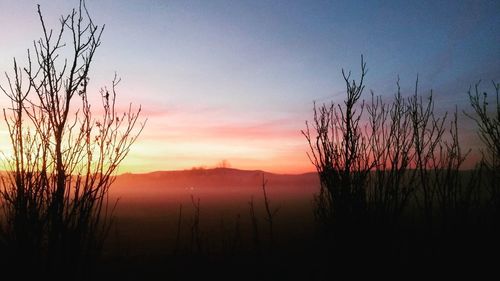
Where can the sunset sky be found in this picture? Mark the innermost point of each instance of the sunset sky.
(236, 80)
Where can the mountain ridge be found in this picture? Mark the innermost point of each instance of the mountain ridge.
(214, 177)
(209, 170)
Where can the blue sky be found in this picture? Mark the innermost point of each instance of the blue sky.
(235, 65)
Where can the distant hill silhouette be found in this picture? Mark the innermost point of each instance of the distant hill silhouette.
(217, 177)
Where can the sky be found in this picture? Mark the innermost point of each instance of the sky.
(236, 80)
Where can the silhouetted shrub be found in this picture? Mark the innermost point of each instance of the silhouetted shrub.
(400, 176)
(487, 119)
(55, 192)
(342, 156)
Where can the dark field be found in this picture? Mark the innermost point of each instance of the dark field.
(145, 240)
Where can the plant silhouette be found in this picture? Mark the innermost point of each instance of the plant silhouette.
(401, 175)
(55, 192)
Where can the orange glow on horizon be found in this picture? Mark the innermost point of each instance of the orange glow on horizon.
(252, 147)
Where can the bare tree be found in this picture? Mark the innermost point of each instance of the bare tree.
(196, 236)
(224, 164)
(487, 119)
(255, 226)
(399, 174)
(341, 154)
(64, 157)
(270, 213)
(427, 134)
(456, 190)
(390, 134)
